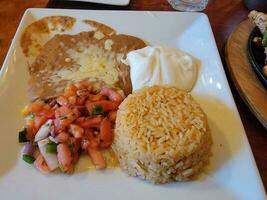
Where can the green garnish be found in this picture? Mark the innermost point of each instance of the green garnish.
(51, 147)
(28, 159)
(23, 136)
(264, 40)
(98, 110)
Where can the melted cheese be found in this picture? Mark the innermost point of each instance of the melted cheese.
(99, 35)
(93, 64)
(108, 44)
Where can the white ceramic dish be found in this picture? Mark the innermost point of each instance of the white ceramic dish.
(109, 2)
(232, 173)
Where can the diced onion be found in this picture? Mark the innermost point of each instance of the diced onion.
(44, 131)
(50, 158)
(53, 139)
(28, 149)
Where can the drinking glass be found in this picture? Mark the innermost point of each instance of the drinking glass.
(189, 5)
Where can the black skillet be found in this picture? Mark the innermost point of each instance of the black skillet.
(256, 56)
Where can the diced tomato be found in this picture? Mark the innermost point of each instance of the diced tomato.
(62, 124)
(39, 121)
(76, 130)
(34, 125)
(106, 105)
(36, 106)
(46, 107)
(77, 123)
(70, 91)
(66, 111)
(39, 108)
(80, 120)
(112, 116)
(105, 130)
(112, 94)
(64, 157)
(97, 158)
(89, 139)
(93, 141)
(96, 97)
(80, 100)
(41, 165)
(105, 145)
(65, 116)
(90, 105)
(76, 144)
(62, 100)
(31, 130)
(62, 137)
(72, 100)
(62, 111)
(89, 122)
(49, 113)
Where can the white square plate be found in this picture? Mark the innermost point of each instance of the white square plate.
(109, 2)
(232, 173)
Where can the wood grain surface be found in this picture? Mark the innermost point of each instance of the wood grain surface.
(224, 16)
(241, 72)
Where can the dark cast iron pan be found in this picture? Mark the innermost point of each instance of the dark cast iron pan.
(256, 56)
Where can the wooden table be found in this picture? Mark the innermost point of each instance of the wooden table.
(224, 16)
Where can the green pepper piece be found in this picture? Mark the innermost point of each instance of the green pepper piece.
(97, 110)
(51, 147)
(264, 40)
(23, 136)
(28, 159)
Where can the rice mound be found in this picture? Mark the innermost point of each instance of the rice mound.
(161, 135)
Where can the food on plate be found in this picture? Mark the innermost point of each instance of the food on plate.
(264, 70)
(93, 55)
(39, 32)
(67, 58)
(63, 122)
(260, 20)
(162, 66)
(59, 129)
(161, 135)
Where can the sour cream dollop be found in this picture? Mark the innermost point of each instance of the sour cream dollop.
(162, 66)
